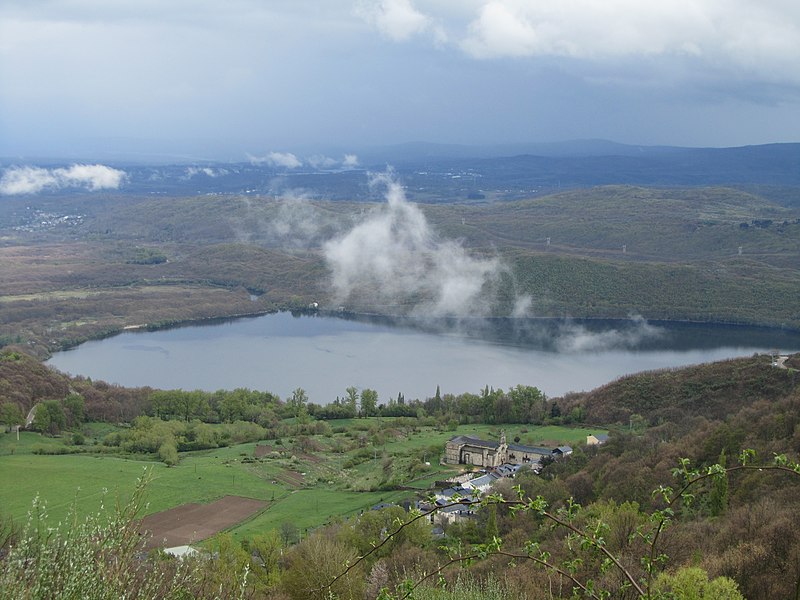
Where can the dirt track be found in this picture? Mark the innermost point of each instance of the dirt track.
(194, 522)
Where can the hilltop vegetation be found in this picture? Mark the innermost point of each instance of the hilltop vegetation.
(737, 533)
(703, 254)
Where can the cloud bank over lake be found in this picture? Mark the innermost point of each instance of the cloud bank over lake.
(394, 260)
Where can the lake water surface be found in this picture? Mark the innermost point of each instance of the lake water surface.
(324, 354)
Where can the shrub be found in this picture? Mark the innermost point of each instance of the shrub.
(99, 557)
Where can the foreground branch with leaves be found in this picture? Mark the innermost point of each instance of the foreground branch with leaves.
(586, 542)
(101, 557)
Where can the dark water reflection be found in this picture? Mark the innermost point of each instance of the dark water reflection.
(326, 354)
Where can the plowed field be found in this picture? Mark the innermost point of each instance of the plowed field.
(190, 523)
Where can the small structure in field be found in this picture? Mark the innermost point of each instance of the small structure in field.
(596, 439)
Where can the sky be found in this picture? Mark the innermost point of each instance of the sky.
(264, 79)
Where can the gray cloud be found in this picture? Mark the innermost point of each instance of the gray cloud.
(350, 161)
(297, 222)
(746, 40)
(77, 76)
(396, 19)
(320, 161)
(286, 160)
(30, 180)
(207, 171)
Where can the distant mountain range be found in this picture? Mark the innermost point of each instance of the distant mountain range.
(442, 173)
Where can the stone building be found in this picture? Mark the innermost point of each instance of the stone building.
(468, 450)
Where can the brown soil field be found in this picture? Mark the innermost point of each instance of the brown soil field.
(192, 522)
(262, 450)
(291, 478)
(312, 458)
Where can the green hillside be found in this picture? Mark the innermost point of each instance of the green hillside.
(702, 254)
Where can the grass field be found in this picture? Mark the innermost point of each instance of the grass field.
(323, 485)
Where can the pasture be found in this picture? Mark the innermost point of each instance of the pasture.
(339, 474)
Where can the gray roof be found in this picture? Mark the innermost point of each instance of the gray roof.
(530, 449)
(487, 479)
(465, 498)
(508, 469)
(453, 491)
(468, 439)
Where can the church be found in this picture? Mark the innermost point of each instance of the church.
(468, 450)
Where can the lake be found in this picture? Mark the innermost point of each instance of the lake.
(326, 354)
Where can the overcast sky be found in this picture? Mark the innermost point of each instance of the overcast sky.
(228, 78)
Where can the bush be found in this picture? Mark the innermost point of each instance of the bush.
(168, 454)
(99, 557)
(52, 450)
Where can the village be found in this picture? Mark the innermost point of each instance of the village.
(454, 499)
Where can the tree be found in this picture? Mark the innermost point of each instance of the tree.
(555, 410)
(11, 414)
(232, 407)
(370, 529)
(299, 398)
(352, 399)
(692, 583)
(74, 408)
(49, 417)
(312, 567)
(41, 418)
(303, 416)
(589, 551)
(229, 561)
(168, 453)
(528, 404)
(289, 533)
(369, 402)
(267, 548)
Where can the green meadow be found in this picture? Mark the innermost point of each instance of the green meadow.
(307, 489)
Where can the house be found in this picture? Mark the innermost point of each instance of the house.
(562, 451)
(596, 439)
(455, 513)
(482, 483)
(508, 470)
(468, 450)
(452, 494)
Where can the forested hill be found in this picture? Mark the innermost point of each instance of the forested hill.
(705, 415)
(711, 390)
